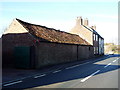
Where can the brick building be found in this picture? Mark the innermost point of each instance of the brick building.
(89, 34)
(28, 45)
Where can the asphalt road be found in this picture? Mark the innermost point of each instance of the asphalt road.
(101, 72)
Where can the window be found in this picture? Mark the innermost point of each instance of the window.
(97, 50)
(94, 37)
(94, 50)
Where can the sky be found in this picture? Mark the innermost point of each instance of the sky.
(61, 14)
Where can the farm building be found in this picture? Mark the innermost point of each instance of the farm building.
(26, 45)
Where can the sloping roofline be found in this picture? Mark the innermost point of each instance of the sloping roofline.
(92, 30)
(52, 35)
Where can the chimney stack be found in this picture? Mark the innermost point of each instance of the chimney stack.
(79, 21)
(86, 22)
(93, 27)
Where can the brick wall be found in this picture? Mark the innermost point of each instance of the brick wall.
(83, 32)
(45, 53)
(85, 52)
(10, 41)
(15, 36)
(54, 53)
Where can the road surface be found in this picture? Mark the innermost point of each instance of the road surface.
(101, 72)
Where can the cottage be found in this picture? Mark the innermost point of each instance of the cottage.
(27, 45)
(89, 34)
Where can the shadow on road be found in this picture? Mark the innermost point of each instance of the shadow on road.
(70, 74)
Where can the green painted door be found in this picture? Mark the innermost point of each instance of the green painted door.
(22, 57)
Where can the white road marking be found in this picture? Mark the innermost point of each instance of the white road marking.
(56, 71)
(114, 61)
(90, 76)
(76, 65)
(12, 83)
(40, 76)
(107, 65)
(72, 67)
(118, 58)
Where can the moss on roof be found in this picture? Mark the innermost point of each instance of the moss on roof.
(52, 35)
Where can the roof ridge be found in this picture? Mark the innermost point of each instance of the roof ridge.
(57, 36)
(46, 27)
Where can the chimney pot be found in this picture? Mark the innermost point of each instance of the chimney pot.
(79, 21)
(93, 27)
(86, 22)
